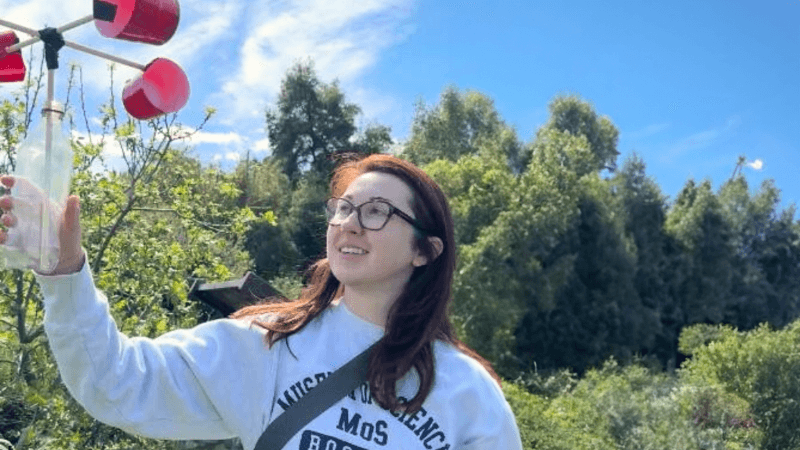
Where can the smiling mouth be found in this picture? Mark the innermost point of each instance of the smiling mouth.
(353, 251)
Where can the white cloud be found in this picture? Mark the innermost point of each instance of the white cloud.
(37, 14)
(343, 38)
(647, 131)
(261, 145)
(208, 23)
(205, 137)
(228, 156)
(375, 104)
(111, 146)
(396, 148)
(696, 141)
(756, 165)
(702, 139)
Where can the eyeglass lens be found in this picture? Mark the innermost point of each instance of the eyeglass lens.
(374, 215)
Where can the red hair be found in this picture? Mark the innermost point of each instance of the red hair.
(417, 318)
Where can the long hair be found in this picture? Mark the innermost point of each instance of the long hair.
(418, 317)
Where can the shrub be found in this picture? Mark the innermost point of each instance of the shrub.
(631, 407)
(760, 368)
(565, 422)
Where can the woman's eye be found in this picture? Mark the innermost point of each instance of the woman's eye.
(375, 210)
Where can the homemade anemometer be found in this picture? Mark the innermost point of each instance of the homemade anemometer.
(161, 88)
(43, 164)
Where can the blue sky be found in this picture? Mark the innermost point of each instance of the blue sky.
(690, 85)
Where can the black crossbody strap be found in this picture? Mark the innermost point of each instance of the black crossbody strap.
(332, 389)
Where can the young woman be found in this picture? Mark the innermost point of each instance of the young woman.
(386, 279)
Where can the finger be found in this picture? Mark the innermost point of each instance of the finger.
(6, 203)
(7, 181)
(71, 237)
(71, 257)
(72, 212)
(8, 220)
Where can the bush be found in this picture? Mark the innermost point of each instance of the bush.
(759, 368)
(647, 410)
(629, 408)
(566, 423)
(14, 414)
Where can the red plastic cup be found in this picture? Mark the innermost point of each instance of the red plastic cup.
(149, 21)
(162, 88)
(12, 66)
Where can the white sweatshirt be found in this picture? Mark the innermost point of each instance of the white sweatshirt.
(219, 380)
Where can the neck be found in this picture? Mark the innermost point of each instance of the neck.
(371, 303)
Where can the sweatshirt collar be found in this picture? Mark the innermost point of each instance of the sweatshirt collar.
(358, 324)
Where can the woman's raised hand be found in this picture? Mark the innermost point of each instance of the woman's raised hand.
(70, 256)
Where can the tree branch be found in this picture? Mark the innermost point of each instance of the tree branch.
(7, 322)
(19, 300)
(27, 297)
(107, 240)
(83, 106)
(33, 336)
(156, 210)
(30, 105)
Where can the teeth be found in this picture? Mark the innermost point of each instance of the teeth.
(353, 250)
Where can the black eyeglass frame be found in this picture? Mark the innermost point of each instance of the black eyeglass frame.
(392, 211)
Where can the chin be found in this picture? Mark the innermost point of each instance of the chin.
(345, 277)
(349, 279)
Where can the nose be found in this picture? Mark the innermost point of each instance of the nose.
(351, 224)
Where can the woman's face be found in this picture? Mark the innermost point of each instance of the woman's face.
(389, 254)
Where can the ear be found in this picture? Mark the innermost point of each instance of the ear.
(438, 247)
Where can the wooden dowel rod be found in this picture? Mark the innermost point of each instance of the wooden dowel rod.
(35, 34)
(104, 55)
(73, 45)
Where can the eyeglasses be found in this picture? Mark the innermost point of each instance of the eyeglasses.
(372, 215)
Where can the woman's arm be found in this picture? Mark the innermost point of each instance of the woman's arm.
(187, 384)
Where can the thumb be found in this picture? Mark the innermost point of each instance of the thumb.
(70, 256)
(72, 215)
(70, 232)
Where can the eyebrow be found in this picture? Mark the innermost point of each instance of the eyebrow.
(350, 197)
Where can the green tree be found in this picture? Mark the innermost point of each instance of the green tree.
(506, 270)
(572, 115)
(517, 256)
(702, 273)
(297, 237)
(479, 187)
(266, 190)
(312, 122)
(458, 126)
(765, 285)
(597, 312)
(644, 211)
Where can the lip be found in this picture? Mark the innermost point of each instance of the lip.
(347, 244)
(350, 256)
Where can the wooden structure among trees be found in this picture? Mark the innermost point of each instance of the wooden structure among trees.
(230, 296)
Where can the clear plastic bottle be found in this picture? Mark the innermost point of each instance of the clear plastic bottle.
(41, 187)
